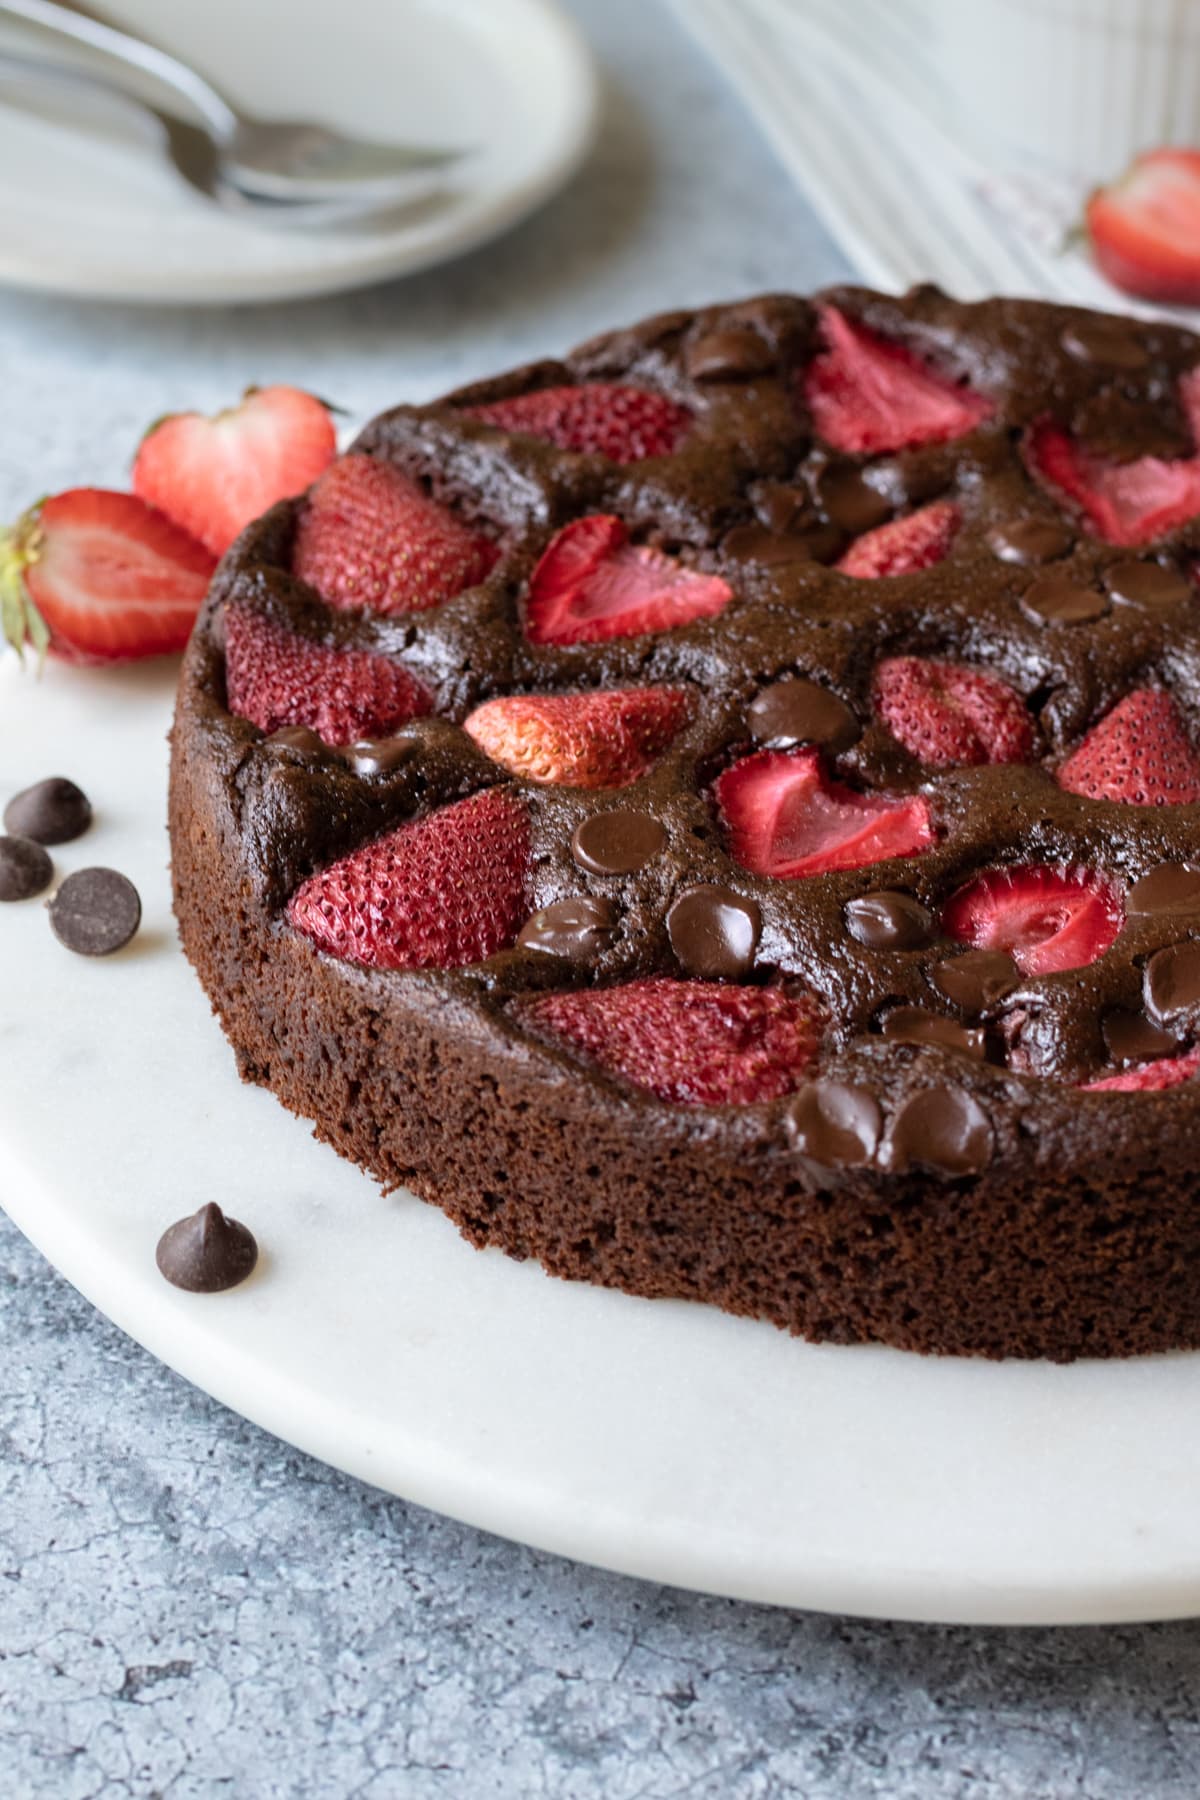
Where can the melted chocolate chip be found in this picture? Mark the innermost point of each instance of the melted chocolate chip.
(834, 1124)
(1171, 981)
(940, 1128)
(206, 1252)
(95, 911)
(298, 737)
(889, 921)
(1131, 1037)
(976, 979)
(1103, 340)
(1028, 541)
(577, 928)
(51, 812)
(1056, 600)
(714, 932)
(850, 502)
(1148, 585)
(1167, 888)
(25, 868)
(801, 712)
(781, 507)
(759, 544)
(377, 756)
(732, 354)
(917, 1025)
(617, 843)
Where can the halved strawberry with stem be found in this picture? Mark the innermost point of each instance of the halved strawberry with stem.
(903, 546)
(1140, 753)
(1148, 1078)
(948, 716)
(786, 818)
(1144, 228)
(97, 576)
(868, 394)
(1046, 916)
(592, 584)
(696, 1043)
(1125, 503)
(370, 537)
(439, 893)
(214, 475)
(603, 739)
(275, 677)
(608, 418)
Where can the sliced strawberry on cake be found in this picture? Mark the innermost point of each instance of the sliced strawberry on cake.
(903, 546)
(1047, 917)
(1139, 753)
(696, 1043)
(439, 893)
(275, 677)
(786, 818)
(867, 394)
(948, 716)
(370, 538)
(592, 584)
(607, 418)
(603, 739)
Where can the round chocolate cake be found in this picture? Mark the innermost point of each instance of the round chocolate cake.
(720, 814)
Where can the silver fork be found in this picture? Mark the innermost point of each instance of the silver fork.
(275, 161)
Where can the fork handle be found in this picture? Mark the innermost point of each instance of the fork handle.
(76, 25)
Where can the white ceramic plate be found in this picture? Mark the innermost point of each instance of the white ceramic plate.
(92, 210)
(658, 1438)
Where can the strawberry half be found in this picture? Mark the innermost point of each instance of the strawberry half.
(604, 739)
(592, 584)
(607, 418)
(369, 537)
(1148, 1078)
(1124, 503)
(442, 892)
(947, 715)
(698, 1043)
(275, 677)
(1139, 753)
(787, 819)
(213, 476)
(903, 546)
(1046, 917)
(100, 577)
(1144, 228)
(868, 394)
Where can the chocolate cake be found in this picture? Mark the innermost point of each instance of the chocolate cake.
(720, 814)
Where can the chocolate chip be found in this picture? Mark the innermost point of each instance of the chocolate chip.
(1105, 340)
(1167, 888)
(1026, 541)
(51, 812)
(377, 756)
(917, 1025)
(578, 928)
(758, 544)
(1148, 585)
(206, 1252)
(1171, 981)
(618, 842)
(976, 979)
(889, 920)
(298, 737)
(851, 502)
(801, 712)
(940, 1128)
(1057, 600)
(731, 354)
(833, 1123)
(1132, 1037)
(714, 932)
(25, 868)
(780, 507)
(95, 911)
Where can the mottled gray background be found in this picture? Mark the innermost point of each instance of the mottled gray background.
(189, 1608)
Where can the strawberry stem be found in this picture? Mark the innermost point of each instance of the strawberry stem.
(20, 621)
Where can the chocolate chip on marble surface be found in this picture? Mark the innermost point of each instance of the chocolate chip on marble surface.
(1171, 981)
(888, 920)
(1132, 1037)
(976, 979)
(53, 811)
(377, 756)
(917, 1025)
(796, 711)
(617, 842)
(206, 1252)
(1147, 585)
(1116, 342)
(1057, 600)
(578, 928)
(940, 1128)
(95, 911)
(25, 868)
(1029, 541)
(1167, 888)
(714, 932)
(733, 353)
(834, 1123)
